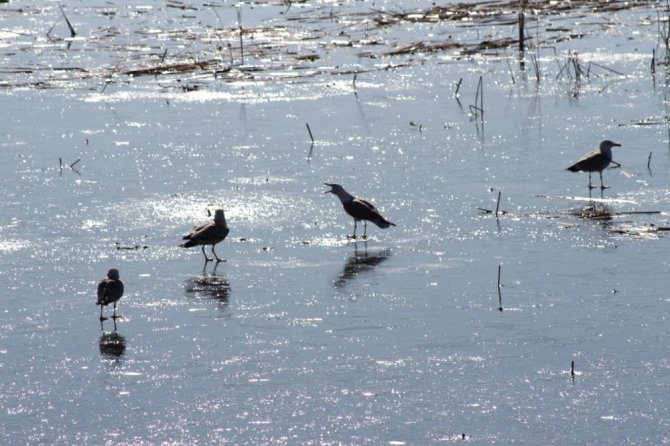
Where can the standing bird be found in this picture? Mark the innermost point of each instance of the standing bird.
(209, 233)
(110, 290)
(359, 209)
(596, 161)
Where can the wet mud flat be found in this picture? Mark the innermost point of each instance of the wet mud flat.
(509, 304)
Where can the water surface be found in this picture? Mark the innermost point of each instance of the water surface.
(304, 336)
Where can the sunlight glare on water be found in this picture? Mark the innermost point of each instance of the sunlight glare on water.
(120, 140)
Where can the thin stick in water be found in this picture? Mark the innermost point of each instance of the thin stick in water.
(522, 37)
(500, 307)
(239, 24)
(498, 207)
(479, 96)
(536, 65)
(572, 369)
(649, 161)
(653, 61)
(310, 132)
(458, 87)
(509, 67)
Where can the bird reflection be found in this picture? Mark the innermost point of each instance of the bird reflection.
(209, 285)
(112, 344)
(359, 262)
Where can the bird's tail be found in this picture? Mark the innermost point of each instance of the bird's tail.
(187, 244)
(573, 168)
(383, 223)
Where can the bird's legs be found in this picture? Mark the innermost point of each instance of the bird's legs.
(102, 318)
(207, 259)
(602, 186)
(114, 316)
(591, 186)
(365, 229)
(217, 257)
(353, 236)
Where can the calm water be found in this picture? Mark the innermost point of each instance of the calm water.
(303, 336)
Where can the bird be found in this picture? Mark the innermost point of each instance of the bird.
(110, 290)
(359, 209)
(209, 233)
(596, 161)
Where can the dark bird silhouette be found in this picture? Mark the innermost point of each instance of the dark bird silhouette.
(209, 233)
(110, 290)
(596, 161)
(359, 209)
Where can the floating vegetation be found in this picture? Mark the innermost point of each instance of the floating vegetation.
(179, 45)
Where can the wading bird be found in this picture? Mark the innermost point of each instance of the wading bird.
(359, 209)
(209, 233)
(596, 161)
(110, 290)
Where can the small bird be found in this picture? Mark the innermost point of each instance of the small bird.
(359, 209)
(110, 290)
(209, 233)
(596, 161)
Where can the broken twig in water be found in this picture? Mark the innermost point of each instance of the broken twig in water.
(71, 165)
(310, 133)
(497, 210)
(479, 100)
(69, 25)
(649, 161)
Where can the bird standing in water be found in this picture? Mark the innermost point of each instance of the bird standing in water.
(110, 290)
(209, 233)
(359, 209)
(596, 161)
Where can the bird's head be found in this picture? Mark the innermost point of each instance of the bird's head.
(343, 195)
(113, 274)
(607, 144)
(334, 188)
(219, 217)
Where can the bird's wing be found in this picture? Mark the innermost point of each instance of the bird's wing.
(590, 155)
(363, 210)
(113, 290)
(109, 291)
(210, 235)
(367, 204)
(101, 289)
(197, 230)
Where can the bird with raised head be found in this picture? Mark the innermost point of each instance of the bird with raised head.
(110, 290)
(358, 209)
(596, 161)
(209, 233)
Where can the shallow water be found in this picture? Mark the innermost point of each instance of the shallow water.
(303, 336)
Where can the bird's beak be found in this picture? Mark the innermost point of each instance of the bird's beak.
(331, 188)
(616, 144)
